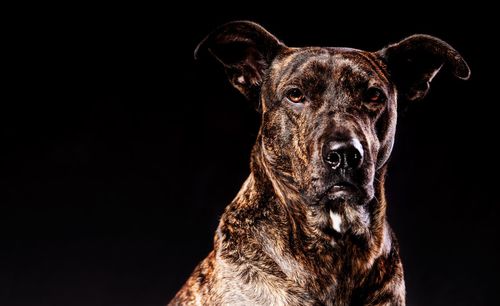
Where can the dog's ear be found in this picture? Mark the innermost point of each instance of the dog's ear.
(245, 49)
(415, 61)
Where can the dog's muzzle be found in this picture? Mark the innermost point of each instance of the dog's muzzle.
(343, 157)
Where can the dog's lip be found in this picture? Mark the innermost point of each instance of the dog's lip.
(339, 188)
(343, 186)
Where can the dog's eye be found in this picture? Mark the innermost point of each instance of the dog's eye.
(375, 95)
(295, 95)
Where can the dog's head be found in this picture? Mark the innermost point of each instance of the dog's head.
(328, 114)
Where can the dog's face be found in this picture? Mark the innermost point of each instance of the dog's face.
(328, 121)
(328, 114)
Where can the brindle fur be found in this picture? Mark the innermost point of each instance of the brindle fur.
(275, 244)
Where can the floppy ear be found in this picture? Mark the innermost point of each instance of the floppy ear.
(415, 61)
(245, 49)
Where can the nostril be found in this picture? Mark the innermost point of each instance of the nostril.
(334, 159)
(352, 158)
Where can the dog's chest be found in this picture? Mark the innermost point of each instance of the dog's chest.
(279, 278)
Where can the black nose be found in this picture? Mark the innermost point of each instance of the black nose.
(343, 154)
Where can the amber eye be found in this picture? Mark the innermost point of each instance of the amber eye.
(375, 95)
(295, 95)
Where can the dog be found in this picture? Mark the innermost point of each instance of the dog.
(309, 225)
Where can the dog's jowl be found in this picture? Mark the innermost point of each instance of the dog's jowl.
(309, 225)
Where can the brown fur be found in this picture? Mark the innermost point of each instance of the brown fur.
(276, 243)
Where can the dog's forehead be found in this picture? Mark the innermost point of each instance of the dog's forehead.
(327, 63)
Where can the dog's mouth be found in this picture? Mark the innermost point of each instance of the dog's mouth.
(343, 187)
(343, 191)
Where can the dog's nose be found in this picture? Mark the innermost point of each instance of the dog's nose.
(343, 154)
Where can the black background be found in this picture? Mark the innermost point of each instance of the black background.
(119, 151)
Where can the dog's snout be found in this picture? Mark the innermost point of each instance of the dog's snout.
(343, 154)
